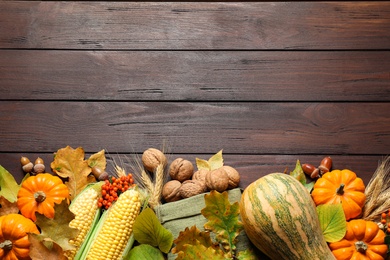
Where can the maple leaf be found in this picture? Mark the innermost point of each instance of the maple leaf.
(70, 163)
(192, 236)
(214, 162)
(223, 219)
(57, 229)
(7, 207)
(39, 251)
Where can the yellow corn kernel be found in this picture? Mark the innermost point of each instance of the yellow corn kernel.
(85, 208)
(117, 228)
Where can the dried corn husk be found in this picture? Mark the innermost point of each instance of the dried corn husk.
(378, 192)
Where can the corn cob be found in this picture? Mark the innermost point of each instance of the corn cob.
(87, 213)
(113, 234)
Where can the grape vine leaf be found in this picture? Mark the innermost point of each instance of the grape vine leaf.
(192, 236)
(223, 219)
(8, 186)
(148, 230)
(70, 163)
(214, 162)
(57, 229)
(332, 221)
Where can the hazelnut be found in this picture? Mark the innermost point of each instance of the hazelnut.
(217, 180)
(181, 169)
(170, 191)
(200, 175)
(153, 157)
(191, 188)
(234, 176)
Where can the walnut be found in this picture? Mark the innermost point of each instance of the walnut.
(191, 188)
(153, 157)
(181, 169)
(200, 175)
(171, 192)
(234, 176)
(217, 180)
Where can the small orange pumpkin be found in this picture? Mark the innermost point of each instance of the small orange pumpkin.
(14, 243)
(39, 193)
(341, 186)
(364, 240)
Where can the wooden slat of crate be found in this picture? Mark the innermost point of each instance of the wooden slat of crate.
(195, 75)
(193, 25)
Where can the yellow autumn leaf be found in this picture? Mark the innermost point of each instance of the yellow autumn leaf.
(70, 163)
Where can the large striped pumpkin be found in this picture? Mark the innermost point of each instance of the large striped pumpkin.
(280, 219)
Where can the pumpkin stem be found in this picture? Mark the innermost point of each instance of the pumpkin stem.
(39, 196)
(361, 246)
(6, 245)
(340, 190)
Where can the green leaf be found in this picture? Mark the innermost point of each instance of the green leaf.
(222, 219)
(332, 221)
(9, 188)
(298, 173)
(148, 230)
(145, 251)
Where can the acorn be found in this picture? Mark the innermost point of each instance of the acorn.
(27, 166)
(39, 166)
(99, 174)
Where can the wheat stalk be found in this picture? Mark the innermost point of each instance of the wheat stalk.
(158, 185)
(378, 192)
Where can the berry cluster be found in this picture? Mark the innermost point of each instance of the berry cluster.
(384, 220)
(112, 188)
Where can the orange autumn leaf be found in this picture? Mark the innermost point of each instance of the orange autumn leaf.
(39, 251)
(7, 207)
(70, 163)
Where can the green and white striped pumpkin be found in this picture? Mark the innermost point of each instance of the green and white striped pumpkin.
(280, 219)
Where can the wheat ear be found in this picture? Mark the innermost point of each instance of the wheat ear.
(158, 185)
(378, 192)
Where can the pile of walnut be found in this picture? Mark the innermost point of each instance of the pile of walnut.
(185, 182)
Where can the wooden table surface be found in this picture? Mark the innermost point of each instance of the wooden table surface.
(267, 82)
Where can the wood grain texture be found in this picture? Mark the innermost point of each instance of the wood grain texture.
(193, 25)
(195, 75)
(242, 128)
(250, 167)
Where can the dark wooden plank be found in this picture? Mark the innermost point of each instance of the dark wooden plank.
(251, 167)
(195, 75)
(195, 25)
(239, 128)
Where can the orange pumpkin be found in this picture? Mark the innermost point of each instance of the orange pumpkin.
(39, 193)
(364, 240)
(341, 186)
(14, 243)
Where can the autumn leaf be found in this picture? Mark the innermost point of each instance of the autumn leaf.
(214, 162)
(8, 186)
(57, 229)
(7, 207)
(247, 254)
(39, 251)
(332, 221)
(145, 251)
(223, 219)
(98, 160)
(192, 236)
(198, 251)
(70, 163)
